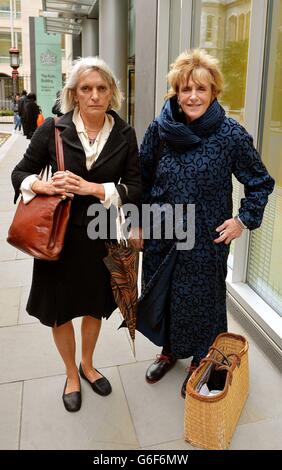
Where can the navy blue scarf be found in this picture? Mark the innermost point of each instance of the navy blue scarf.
(178, 134)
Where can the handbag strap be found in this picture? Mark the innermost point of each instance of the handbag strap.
(59, 148)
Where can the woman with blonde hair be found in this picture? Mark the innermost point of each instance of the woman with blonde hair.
(188, 156)
(101, 161)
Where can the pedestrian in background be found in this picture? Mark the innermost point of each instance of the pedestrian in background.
(21, 109)
(198, 149)
(30, 113)
(101, 160)
(56, 107)
(17, 119)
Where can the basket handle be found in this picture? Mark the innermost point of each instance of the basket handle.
(226, 357)
(230, 366)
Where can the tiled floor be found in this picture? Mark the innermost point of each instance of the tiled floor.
(136, 415)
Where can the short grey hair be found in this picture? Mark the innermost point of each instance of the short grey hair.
(67, 102)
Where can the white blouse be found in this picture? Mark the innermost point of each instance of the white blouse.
(92, 152)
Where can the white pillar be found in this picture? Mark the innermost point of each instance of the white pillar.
(90, 37)
(113, 36)
(145, 64)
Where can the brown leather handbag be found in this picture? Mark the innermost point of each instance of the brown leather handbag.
(38, 228)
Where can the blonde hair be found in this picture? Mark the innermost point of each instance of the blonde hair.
(198, 65)
(67, 102)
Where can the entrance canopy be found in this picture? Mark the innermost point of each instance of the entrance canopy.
(66, 16)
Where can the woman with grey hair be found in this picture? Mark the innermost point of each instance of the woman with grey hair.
(102, 167)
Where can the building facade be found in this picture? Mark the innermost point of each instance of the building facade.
(15, 32)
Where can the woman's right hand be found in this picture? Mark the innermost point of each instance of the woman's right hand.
(51, 188)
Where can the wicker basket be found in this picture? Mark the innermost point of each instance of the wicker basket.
(210, 421)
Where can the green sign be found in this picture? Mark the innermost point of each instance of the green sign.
(48, 66)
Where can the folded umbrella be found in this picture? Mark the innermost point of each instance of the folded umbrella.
(122, 262)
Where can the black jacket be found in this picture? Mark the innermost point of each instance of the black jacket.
(21, 106)
(118, 162)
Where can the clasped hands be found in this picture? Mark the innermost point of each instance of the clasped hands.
(64, 183)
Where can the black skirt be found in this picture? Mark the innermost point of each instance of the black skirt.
(78, 284)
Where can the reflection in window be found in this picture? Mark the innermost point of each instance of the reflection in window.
(230, 46)
(232, 28)
(248, 19)
(229, 42)
(220, 35)
(241, 35)
(209, 28)
(265, 257)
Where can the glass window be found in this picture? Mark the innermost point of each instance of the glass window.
(229, 42)
(5, 44)
(5, 7)
(264, 272)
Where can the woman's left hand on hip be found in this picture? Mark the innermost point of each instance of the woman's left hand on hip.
(228, 231)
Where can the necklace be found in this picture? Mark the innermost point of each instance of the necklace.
(93, 140)
(93, 130)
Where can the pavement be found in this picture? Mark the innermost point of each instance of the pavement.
(136, 415)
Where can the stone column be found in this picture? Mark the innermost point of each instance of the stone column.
(90, 37)
(113, 36)
(145, 64)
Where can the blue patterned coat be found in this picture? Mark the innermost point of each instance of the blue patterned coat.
(195, 167)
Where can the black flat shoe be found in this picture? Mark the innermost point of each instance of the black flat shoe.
(159, 368)
(101, 386)
(72, 401)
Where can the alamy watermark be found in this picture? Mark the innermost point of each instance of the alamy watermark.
(166, 221)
